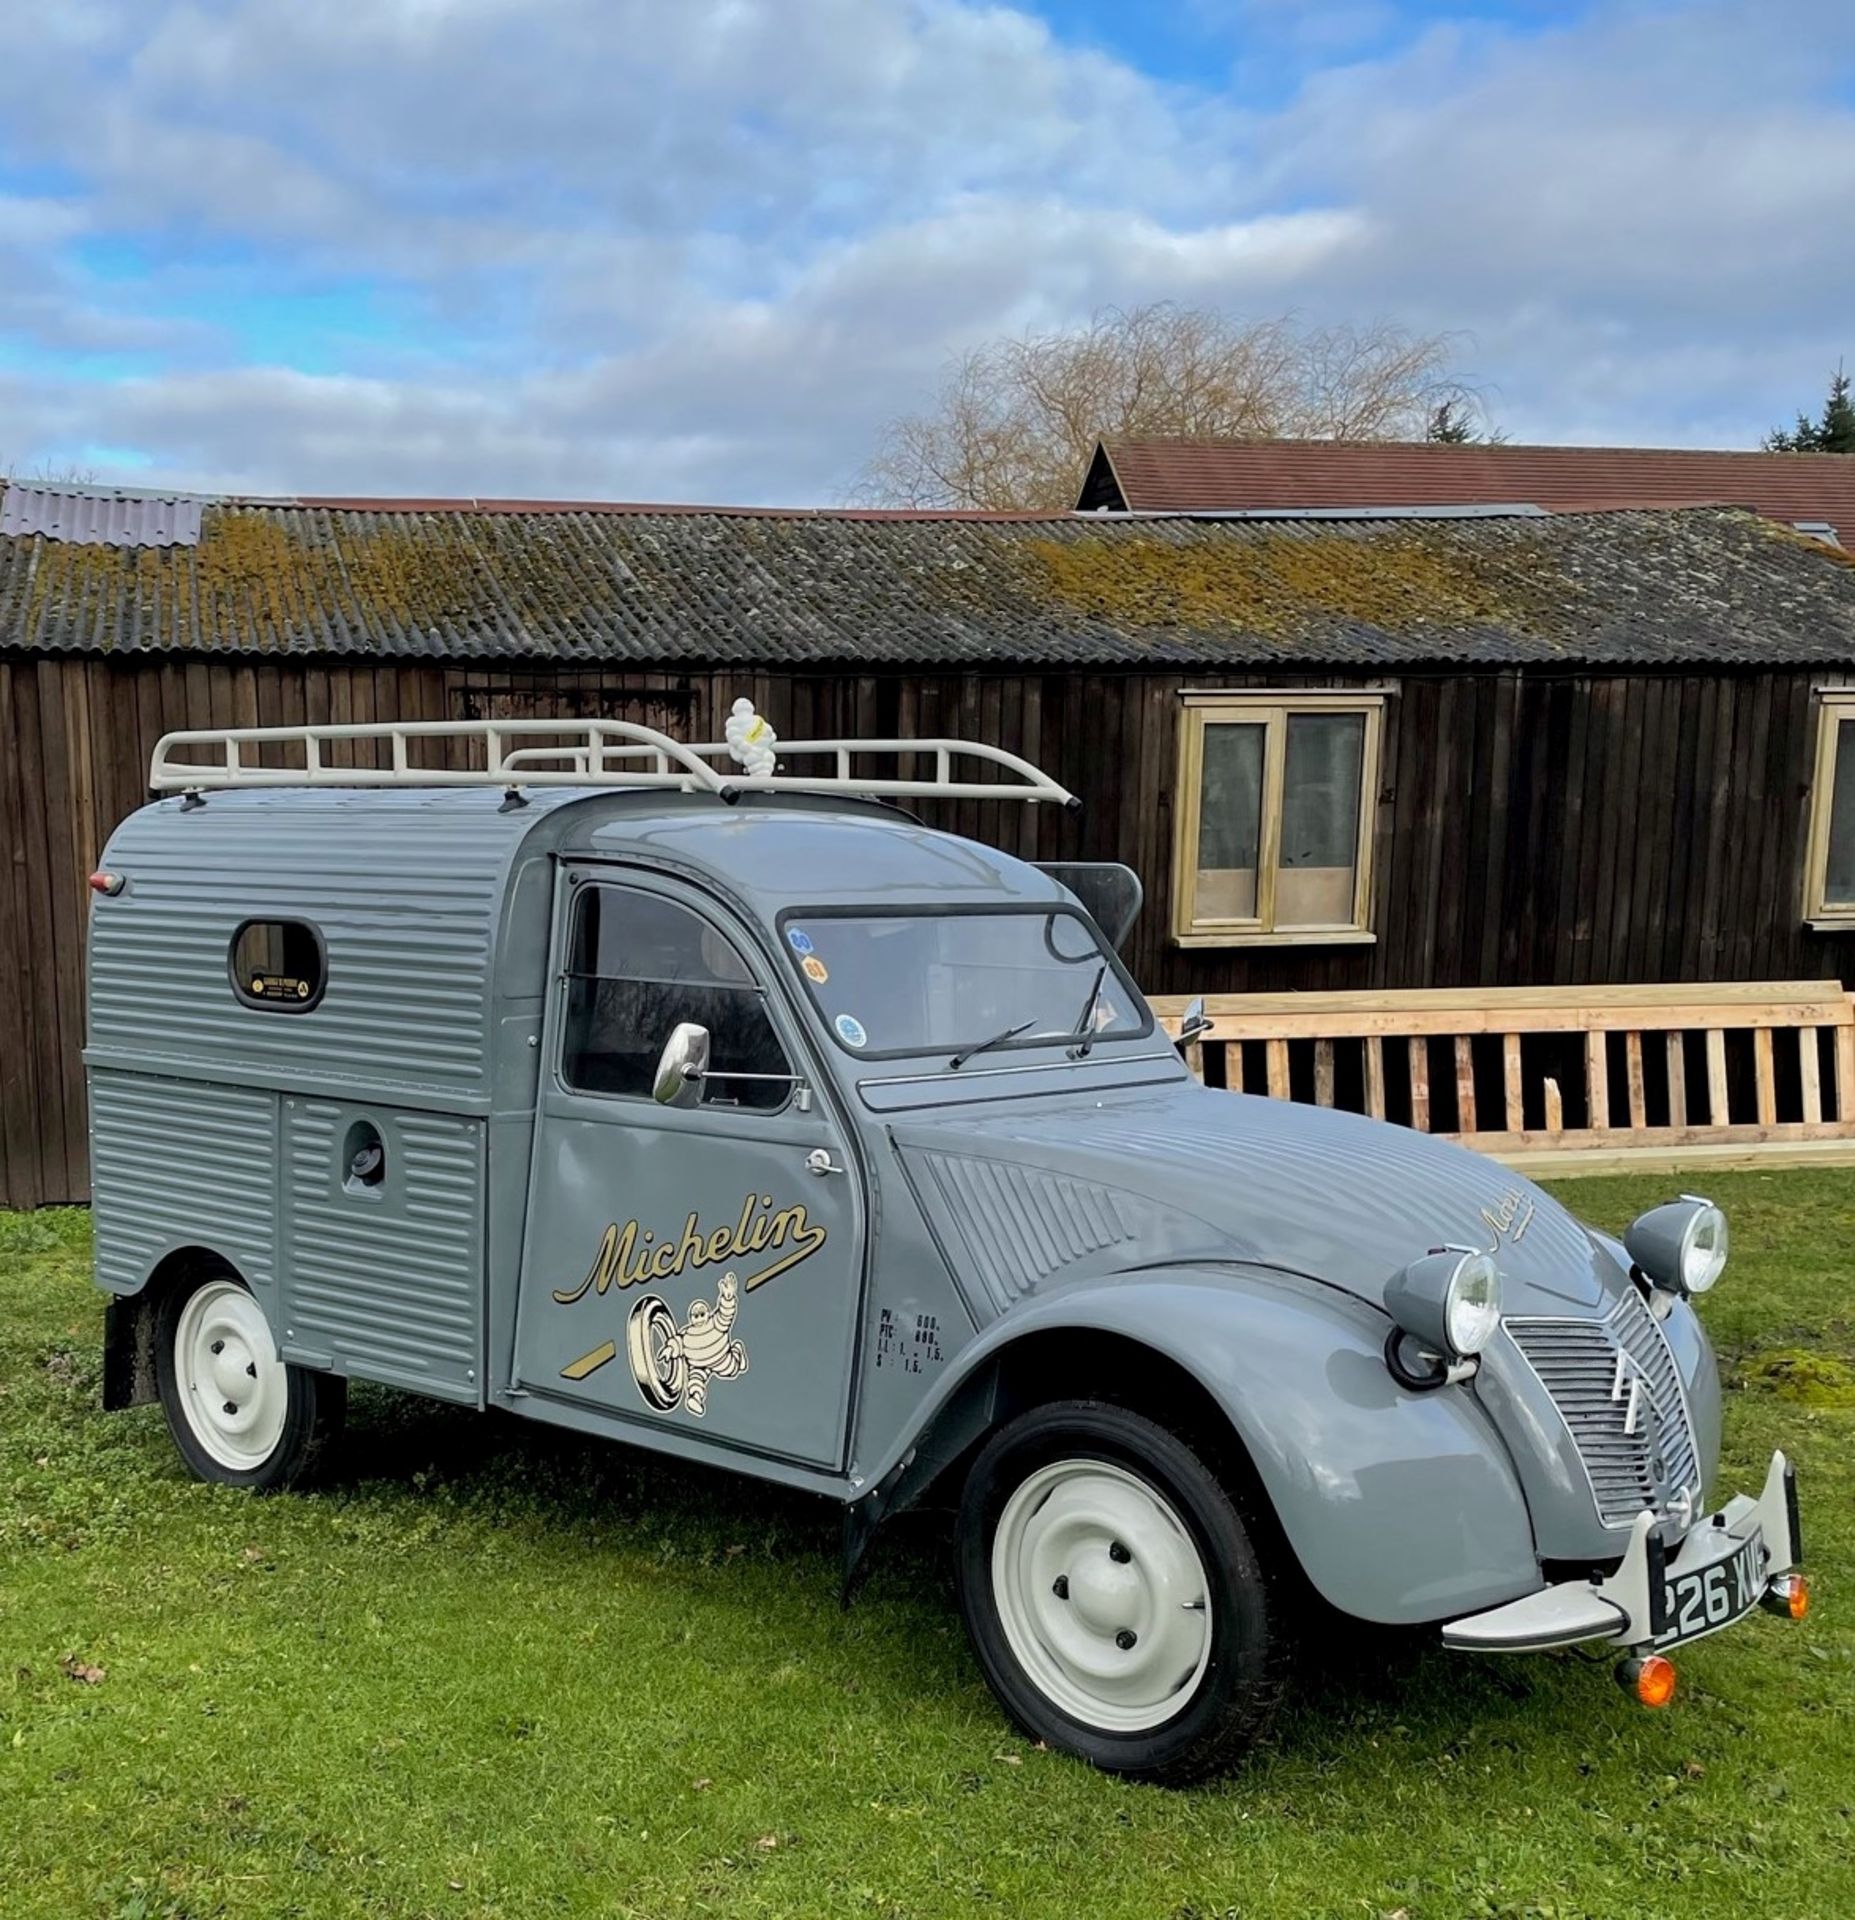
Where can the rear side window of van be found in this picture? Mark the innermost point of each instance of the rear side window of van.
(278, 966)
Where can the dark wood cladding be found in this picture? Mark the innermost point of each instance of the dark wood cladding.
(1532, 827)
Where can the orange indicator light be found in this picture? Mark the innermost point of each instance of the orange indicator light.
(1651, 1679)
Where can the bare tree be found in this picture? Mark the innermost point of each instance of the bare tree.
(1015, 421)
(44, 474)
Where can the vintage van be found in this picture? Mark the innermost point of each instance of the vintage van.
(740, 1116)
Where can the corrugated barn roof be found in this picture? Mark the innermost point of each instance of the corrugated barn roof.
(100, 518)
(740, 588)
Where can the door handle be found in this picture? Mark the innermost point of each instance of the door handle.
(819, 1161)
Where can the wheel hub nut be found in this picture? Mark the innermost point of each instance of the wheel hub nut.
(231, 1406)
(1119, 1554)
(1060, 1586)
(1126, 1639)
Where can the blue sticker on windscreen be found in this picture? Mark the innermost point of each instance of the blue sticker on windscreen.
(850, 1030)
(798, 940)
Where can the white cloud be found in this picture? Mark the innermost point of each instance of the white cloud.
(703, 250)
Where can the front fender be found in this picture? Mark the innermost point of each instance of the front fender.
(1401, 1507)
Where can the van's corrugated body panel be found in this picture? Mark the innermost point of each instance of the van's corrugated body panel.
(386, 1281)
(181, 1163)
(1017, 1226)
(406, 895)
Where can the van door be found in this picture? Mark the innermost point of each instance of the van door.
(698, 1268)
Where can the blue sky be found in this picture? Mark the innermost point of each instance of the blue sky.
(613, 248)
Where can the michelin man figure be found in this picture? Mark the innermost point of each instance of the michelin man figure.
(703, 1343)
(751, 741)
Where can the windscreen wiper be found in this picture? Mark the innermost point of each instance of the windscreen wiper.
(1085, 1021)
(997, 1040)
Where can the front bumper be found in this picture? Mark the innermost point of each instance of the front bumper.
(1629, 1607)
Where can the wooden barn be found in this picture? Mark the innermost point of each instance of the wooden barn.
(1541, 818)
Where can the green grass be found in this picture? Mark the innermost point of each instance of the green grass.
(495, 1670)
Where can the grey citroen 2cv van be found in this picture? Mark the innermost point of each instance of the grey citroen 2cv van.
(740, 1116)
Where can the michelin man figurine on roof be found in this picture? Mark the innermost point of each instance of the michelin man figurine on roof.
(751, 740)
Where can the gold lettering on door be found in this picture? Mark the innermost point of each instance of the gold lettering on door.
(632, 1255)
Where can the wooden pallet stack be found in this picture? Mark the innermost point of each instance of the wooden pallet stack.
(1560, 1078)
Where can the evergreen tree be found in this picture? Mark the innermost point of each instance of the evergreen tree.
(1449, 425)
(1461, 422)
(1833, 433)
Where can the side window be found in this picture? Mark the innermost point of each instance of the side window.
(277, 966)
(1273, 834)
(636, 965)
(1829, 882)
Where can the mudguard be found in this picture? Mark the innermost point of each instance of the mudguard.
(1402, 1507)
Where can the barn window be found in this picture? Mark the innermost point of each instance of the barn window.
(1272, 833)
(1829, 887)
(278, 966)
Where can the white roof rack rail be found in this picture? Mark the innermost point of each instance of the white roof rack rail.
(573, 753)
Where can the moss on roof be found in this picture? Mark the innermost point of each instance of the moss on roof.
(1279, 583)
(735, 588)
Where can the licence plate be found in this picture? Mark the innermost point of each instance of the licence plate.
(1704, 1599)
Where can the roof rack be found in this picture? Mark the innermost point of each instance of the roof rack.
(574, 753)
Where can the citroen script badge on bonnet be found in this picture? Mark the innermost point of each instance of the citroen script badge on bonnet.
(1510, 1216)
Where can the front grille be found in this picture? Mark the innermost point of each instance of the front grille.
(1592, 1369)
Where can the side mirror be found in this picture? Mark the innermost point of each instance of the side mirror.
(681, 1065)
(1196, 1022)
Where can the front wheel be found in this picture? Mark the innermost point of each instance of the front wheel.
(239, 1414)
(1113, 1594)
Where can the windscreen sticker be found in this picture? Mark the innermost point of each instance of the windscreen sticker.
(798, 940)
(850, 1030)
(815, 969)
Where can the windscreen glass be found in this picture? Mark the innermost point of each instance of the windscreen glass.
(945, 982)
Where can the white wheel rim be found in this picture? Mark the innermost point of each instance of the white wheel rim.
(1102, 1595)
(233, 1390)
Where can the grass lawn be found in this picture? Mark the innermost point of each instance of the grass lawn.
(496, 1670)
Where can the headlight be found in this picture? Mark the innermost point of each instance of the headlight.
(1680, 1246)
(1450, 1301)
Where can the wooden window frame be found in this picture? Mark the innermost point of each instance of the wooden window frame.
(1272, 711)
(1835, 704)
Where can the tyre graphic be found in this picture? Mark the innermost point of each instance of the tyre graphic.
(661, 1377)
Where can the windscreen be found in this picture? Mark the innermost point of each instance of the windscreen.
(949, 981)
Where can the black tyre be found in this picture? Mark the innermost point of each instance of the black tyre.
(1114, 1595)
(239, 1414)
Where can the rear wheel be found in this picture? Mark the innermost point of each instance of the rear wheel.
(238, 1413)
(1113, 1594)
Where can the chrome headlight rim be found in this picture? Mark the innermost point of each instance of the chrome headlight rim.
(1472, 1305)
(1447, 1301)
(1703, 1246)
(1681, 1246)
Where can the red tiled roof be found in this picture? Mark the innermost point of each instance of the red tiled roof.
(1212, 475)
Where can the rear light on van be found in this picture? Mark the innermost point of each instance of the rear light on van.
(1789, 1596)
(107, 883)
